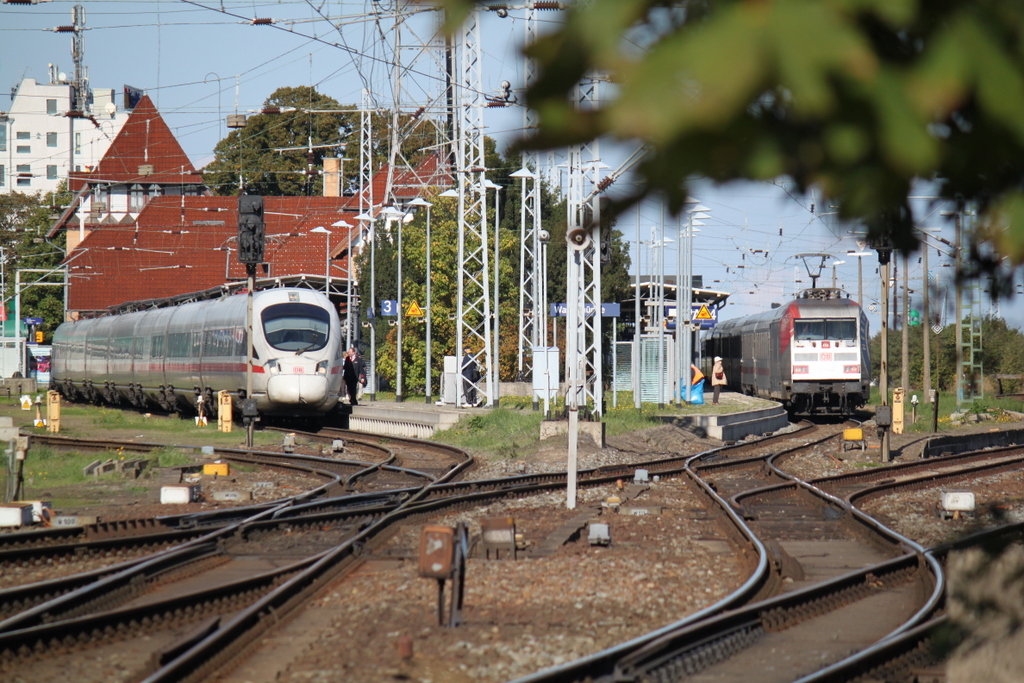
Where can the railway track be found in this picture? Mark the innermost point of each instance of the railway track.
(832, 583)
(199, 631)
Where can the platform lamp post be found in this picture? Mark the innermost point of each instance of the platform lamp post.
(526, 247)
(860, 273)
(348, 281)
(391, 213)
(490, 185)
(372, 311)
(418, 203)
(321, 230)
(694, 219)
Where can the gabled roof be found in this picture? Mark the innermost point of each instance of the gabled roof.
(187, 244)
(144, 152)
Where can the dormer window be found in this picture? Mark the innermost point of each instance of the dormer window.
(137, 199)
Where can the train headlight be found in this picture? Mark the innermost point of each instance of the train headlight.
(848, 369)
(800, 370)
(321, 367)
(273, 367)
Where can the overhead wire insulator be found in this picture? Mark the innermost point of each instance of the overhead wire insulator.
(263, 21)
(64, 29)
(547, 4)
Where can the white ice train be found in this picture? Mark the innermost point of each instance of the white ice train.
(169, 357)
(810, 354)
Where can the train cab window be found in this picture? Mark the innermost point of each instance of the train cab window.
(296, 327)
(841, 328)
(808, 330)
(829, 328)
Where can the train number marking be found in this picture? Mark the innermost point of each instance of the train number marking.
(825, 356)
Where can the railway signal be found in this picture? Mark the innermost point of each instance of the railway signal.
(251, 236)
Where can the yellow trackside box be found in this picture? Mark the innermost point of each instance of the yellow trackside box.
(217, 469)
(856, 434)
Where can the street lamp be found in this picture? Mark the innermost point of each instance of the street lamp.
(396, 214)
(321, 230)
(834, 264)
(860, 273)
(526, 248)
(447, 194)
(372, 374)
(695, 216)
(490, 185)
(348, 281)
(420, 202)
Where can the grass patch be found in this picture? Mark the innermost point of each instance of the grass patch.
(503, 432)
(513, 428)
(995, 409)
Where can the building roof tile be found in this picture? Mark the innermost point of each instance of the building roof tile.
(186, 244)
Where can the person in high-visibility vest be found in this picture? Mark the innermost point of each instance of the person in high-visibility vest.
(696, 385)
(698, 376)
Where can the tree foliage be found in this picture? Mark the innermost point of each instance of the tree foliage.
(1002, 352)
(857, 98)
(270, 155)
(24, 221)
(281, 152)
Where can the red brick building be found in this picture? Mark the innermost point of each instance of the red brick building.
(142, 225)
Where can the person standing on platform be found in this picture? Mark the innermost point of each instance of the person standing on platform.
(718, 379)
(354, 374)
(470, 375)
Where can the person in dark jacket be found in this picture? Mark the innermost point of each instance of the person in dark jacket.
(470, 375)
(354, 374)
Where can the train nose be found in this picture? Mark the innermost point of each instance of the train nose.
(307, 390)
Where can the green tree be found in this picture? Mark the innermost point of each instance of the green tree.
(858, 98)
(24, 221)
(271, 154)
(1002, 352)
(280, 152)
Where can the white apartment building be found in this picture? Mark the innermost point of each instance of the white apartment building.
(39, 142)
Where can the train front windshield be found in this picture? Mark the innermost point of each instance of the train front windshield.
(296, 327)
(827, 328)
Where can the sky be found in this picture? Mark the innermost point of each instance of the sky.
(200, 61)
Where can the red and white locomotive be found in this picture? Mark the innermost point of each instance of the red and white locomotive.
(810, 354)
(169, 357)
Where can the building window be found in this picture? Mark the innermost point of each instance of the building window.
(24, 135)
(51, 106)
(24, 168)
(51, 139)
(51, 172)
(137, 198)
(3, 176)
(24, 182)
(3, 138)
(24, 149)
(78, 143)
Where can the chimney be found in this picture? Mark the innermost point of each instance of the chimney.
(332, 177)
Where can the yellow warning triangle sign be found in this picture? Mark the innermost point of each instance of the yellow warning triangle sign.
(414, 310)
(704, 314)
